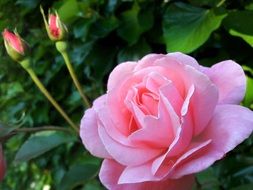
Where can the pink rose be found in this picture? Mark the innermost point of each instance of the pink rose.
(2, 164)
(165, 118)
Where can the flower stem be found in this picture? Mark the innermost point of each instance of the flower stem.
(33, 130)
(61, 46)
(45, 128)
(51, 99)
(26, 66)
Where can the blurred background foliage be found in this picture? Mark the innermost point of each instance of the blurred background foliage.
(103, 33)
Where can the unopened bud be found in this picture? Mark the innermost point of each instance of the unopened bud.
(56, 29)
(14, 44)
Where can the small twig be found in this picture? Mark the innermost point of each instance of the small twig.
(45, 128)
(33, 130)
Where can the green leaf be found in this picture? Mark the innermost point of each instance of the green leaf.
(205, 2)
(134, 22)
(30, 4)
(103, 27)
(69, 10)
(208, 180)
(249, 6)
(248, 99)
(244, 187)
(247, 38)
(77, 175)
(101, 60)
(42, 142)
(92, 185)
(187, 27)
(135, 52)
(239, 21)
(248, 171)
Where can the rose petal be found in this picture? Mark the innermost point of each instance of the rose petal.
(185, 106)
(138, 174)
(185, 59)
(183, 77)
(119, 74)
(184, 133)
(118, 111)
(230, 125)
(165, 165)
(179, 145)
(204, 99)
(154, 81)
(89, 131)
(111, 170)
(158, 131)
(124, 154)
(148, 61)
(170, 92)
(230, 80)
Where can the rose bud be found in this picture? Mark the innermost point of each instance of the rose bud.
(56, 29)
(2, 164)
(14, 45)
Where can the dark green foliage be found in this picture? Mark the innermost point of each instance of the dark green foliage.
(103, 33)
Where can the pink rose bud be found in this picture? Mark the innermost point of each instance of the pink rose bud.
(56, 29)
(2, 164)
(14, 45)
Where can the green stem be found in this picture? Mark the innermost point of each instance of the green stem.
(61, 46)
(26, 66)
(45, 128)
(32, 130)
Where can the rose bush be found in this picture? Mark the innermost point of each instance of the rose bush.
(165, 118)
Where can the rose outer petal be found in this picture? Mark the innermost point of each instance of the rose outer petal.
(230, 80)
(230, 125)
(161, 168)
(119, 74)
(111, 170)
(185, 59)
(89, 131)
(127, 155)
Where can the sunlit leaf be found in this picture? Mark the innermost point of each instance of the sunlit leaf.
(247, 38)
(68, 10)
(187, 27)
